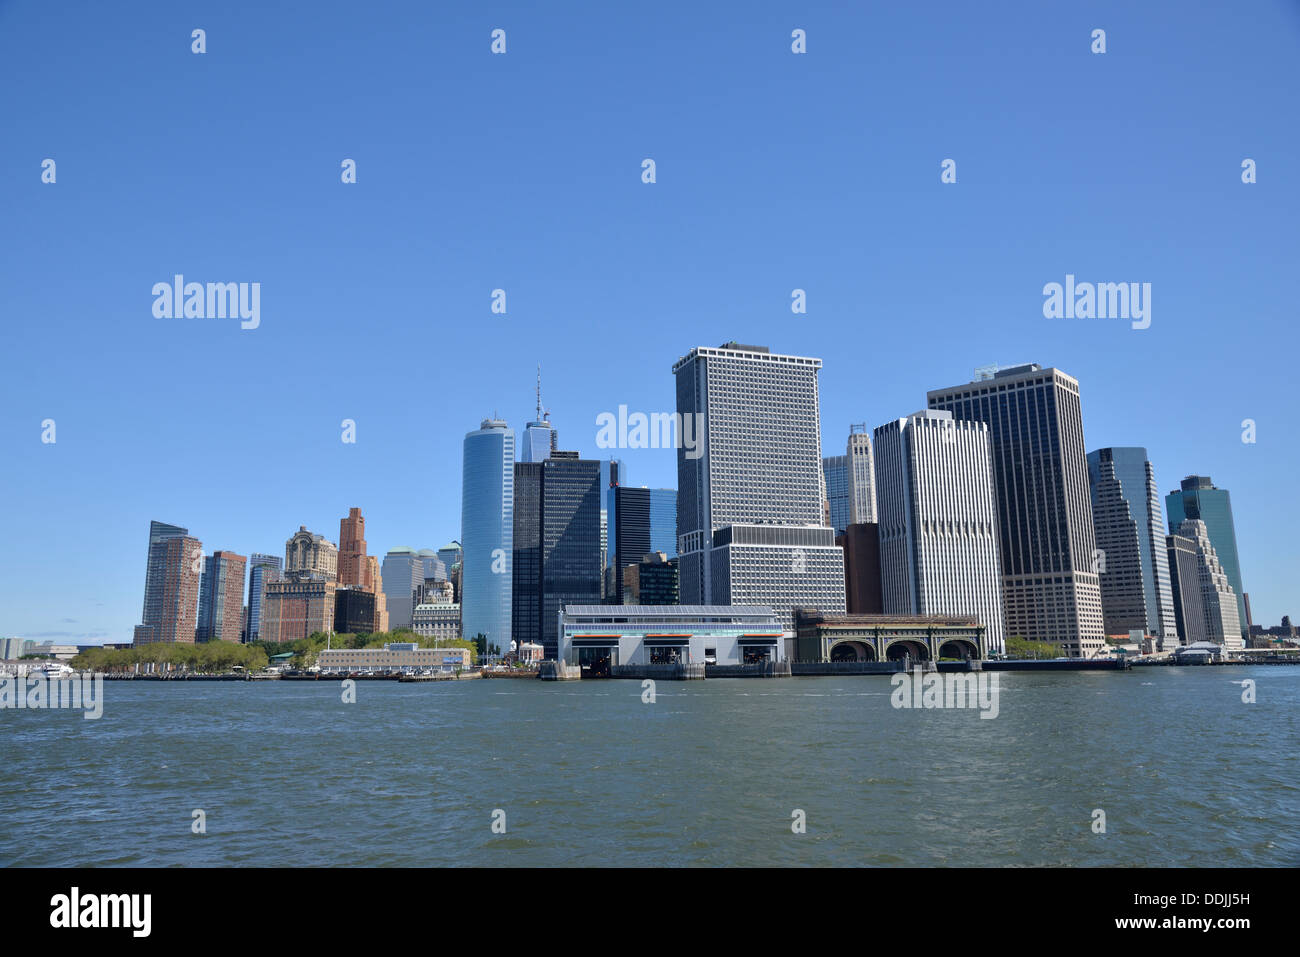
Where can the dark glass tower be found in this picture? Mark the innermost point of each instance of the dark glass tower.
(557, 548)
(641, 521)
(1040, 469)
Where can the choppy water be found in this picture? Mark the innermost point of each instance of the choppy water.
(709, 774)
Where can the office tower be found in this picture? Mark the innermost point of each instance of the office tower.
(641, 521)
(1185, 587)
(403, 573)
(432, 565)
(261, 569)
(449, 555)
(1049, 588)
(835, 475)
(1218, 602)
(171, 586)
(297, 606)
(1199, 499)
(352, 565)
(221, 597)
(938, 521)
(539, 438)
(861, 544)
(1129, 523)
(651, 581)
(487, 532)
(749, 499)
(612, 473)
(861, 477)
(308, 552)
(354, 610)
(556, 542)
(376, 585)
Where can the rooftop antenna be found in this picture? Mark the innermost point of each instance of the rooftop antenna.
(539, 392)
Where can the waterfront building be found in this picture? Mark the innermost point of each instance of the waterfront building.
(641, 521)
(297, 606)
(1050, 591)
(487, 532)
(262, 568)
(820, 637)
(438, 620)
(11, 649)
(1197, 498)
(1133, 565)
(861, 544)
(308, 552)
(599, 637)
(557, 553)
(750, 487)
(394, 657)
(1218, 602)
(171, 589)
(403, 574)
(938, 520)
(221, 597)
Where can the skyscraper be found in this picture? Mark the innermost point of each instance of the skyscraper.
(1218, 602)
(938, 521)
(1040, 469)
(308, 552)
(221, 597)
(641, 521)
(540, 437)
(861, 477)
(749, 500)
(261, 569)
(835, 475)
(171, 587)
(352, 550)
(1136, 592)
(403, 574)
(557, 554)
(1185, 586)
(1199, 499)
(487, 532)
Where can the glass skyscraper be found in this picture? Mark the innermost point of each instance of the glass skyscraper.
(487, 532)
(1136, 592)
(1199, 499)
(641, 521)
(261, 569)
(557, 549)
(835, 474)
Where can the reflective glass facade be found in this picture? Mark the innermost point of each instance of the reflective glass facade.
(1199, 499)
(487, 532)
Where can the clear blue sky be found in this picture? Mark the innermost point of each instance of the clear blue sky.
(775, 171)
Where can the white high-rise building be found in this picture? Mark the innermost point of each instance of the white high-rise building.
(861, 477)
(938, 521)
(1218, 600)
(750, 495)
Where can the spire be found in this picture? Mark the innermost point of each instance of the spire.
(539, 393)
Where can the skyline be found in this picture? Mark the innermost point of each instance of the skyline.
(775, 172)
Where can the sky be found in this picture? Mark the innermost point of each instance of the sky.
(522, 171)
